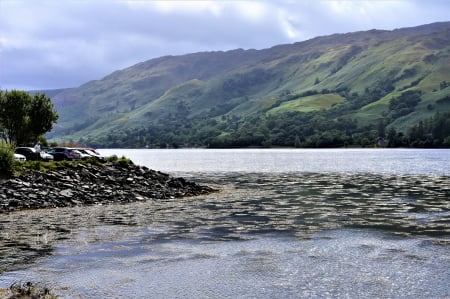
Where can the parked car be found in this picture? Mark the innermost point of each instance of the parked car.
(46, 156)
(92, 153)
(82, 155)
(64, 153)
(31, 154)
(20, 158)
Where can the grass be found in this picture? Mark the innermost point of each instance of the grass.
(309, 103)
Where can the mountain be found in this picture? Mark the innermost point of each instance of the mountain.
(350, 84)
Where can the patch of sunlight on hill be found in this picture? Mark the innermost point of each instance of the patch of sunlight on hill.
(309, 103)
(373, 111)
(380, 104)
(268, 102)
(437, 75)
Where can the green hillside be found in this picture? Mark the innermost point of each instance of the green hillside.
(347, 85)
(309, 103)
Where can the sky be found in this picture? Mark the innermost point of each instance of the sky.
(49, 44)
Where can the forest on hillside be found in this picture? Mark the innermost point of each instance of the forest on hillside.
(290, 129)
(325, 128)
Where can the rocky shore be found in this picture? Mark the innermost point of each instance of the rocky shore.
(89, 184)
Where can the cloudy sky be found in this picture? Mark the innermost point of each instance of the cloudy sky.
(46, 44)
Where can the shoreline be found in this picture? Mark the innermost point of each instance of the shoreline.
(88, 184)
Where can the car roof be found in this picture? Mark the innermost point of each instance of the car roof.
(25, 148)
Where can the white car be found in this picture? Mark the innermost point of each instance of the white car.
(19, 157)
(46, 156)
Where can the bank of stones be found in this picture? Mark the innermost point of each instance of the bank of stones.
(88, 184)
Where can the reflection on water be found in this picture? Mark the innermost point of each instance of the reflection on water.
(250, 204)
(331, 264)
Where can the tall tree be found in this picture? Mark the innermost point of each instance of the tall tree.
(24, 118)
(42, 116)
(13, 107)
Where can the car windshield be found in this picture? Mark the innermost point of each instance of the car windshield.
(91, 153)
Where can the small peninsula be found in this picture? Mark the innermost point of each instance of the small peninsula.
(77, 184)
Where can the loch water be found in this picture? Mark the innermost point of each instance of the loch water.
(286, 223)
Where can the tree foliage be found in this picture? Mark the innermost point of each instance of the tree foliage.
(290, 129)
(23, 118)
(6, 160)
(405, 103)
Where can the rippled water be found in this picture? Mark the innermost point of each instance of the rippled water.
(266, 234)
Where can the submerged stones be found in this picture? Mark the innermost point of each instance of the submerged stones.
(88, 184)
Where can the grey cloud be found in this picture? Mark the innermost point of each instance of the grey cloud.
(53, 44)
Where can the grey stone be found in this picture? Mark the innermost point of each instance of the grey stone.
(92, 184)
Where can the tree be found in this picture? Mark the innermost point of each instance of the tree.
(41, 116)
(392, 137)
(6, 160)
(297, 142)
(381, 129)
(23, 118)
(13, 114)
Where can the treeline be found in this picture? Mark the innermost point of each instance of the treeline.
(433, 132)
(293, 129)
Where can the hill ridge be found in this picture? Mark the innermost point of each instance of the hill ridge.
(367, 69)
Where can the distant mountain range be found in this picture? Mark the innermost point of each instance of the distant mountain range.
(364, 83)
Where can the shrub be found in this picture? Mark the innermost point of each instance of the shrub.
(7, 162)
(124, 162)
(112, 158)
(36, 165)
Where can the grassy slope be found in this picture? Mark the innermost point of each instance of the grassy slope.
(257, 81)
(429, 75)
(309, 103)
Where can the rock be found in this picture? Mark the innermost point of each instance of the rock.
(92, 184)
(66, 193)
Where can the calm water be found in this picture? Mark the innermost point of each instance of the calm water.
(287, 223)
(388, 161)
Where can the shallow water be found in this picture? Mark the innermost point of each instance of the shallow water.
(332, 263)
(265, 235)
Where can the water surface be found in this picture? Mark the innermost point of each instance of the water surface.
(388, 161)
(287, 223)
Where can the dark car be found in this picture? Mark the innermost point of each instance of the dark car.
(64, 153)
(31, 154)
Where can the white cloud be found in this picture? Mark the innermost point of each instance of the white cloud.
(189, 7)
(255, 12)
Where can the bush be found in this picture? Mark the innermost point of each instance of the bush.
(124, 162)
(7, 162)
(112, 158)
(36, 165)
